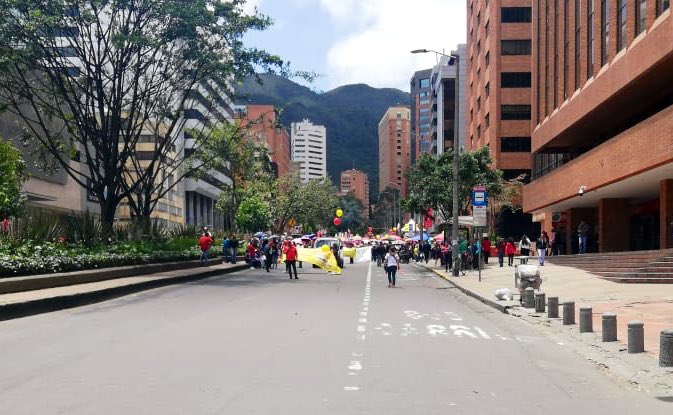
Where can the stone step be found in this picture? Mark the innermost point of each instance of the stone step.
(639, 279)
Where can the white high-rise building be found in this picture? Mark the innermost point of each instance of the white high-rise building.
(309, 150)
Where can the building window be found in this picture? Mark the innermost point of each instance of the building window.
(621, 25)
(487, 89)
(566, 48)
(488, 120)
(605, 31)
(487, 58)
(515, 14)
(515, 47)
(425, 83)
(479, 104)
(556, 33)
(478, 47)
(641, 16)
(590, 39)
(515, 79)
(486, 28)
(515, 144)
(578, 40)
(662, 6)
(479, 131)
(515, 112)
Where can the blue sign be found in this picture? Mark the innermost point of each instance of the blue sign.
(479, 198)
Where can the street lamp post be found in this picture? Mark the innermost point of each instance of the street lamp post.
(453, 59)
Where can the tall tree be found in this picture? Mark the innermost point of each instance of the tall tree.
(431, 181)
(12, 175)
(109, 73)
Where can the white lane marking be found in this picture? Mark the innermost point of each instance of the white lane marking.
(355, 365)
(436, 329)
(460, 331)
(453, 316)
(481, 332)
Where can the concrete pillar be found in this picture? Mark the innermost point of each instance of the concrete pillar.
(636, 336)
(609, 327)
(666, 214)
(552, 307)
(613, 225)
(539, 302)
(666, 348)
(568, 313)
(529, 297)
(586, 320)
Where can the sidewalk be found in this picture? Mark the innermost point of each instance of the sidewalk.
(26, 303)
(650, 303)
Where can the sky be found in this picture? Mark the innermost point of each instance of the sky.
(360, 41)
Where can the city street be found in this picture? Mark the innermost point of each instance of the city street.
(258, 343)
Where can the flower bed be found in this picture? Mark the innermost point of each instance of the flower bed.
(49, 257)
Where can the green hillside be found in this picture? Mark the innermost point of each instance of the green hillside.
(350, 113)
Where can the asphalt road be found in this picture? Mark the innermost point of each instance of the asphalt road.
(257, 343)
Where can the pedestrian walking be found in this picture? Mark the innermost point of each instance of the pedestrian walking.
(205, 242)
(510, 250)
(266, 251)
(541, 246)
(426, 251)
(582, 232)
(392, 264)
(233, 248)
(486, 249)
(447, 251)
(524, 247)
(500, 246)
(290, 252)
(225, 250)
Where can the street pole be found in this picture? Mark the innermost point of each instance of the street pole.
(456, 150)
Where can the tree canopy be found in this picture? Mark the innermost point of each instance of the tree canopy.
(111, 83)
(12, 175)
(431, 181)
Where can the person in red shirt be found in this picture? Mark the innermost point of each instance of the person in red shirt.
(501, 251)
(290, 252)
(510, 250)
(486, 249)
(205, 242)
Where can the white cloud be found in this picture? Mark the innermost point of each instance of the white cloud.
(381, 33)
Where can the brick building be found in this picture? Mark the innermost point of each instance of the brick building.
(265, 128)
(395, 149)
(499, 82)
(356, 182)
(603, 122)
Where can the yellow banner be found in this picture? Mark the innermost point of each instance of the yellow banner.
(318, 257)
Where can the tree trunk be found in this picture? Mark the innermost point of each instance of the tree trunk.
(108, 209)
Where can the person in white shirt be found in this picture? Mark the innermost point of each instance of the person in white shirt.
(392, 264)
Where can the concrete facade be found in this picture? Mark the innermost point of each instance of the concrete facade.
(395, 149)
(309, 149)
(499, 82)
(356, 182)
(603, 120)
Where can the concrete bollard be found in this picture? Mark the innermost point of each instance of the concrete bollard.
(568, 313)
(609, 326)
(529, 297)
(586, 320)
(636, 337)
(552, 307)
(539, 302)
(666, 348)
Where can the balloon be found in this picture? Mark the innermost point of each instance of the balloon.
(394, 229)
(325, 248)
(337, 221)
(339, 213)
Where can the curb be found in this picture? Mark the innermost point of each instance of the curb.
(492, 303)
(47, 305)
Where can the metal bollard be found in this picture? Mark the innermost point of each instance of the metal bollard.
(609, 327)
(568, 313)
(636, 337)
(552, 307)
(351, 261)
(586, 320)
(529, 297)
(539, 302)
(300, 264)
(666, 348)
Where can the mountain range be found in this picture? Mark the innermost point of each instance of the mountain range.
(350, 113)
